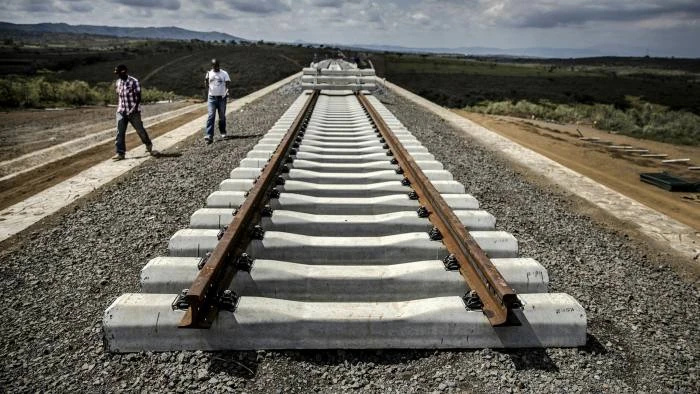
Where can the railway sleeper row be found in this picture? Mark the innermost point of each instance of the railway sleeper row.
(343, 256)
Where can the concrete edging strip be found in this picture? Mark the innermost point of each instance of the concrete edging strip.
(43, 157)
(680, 237)
(39, 206)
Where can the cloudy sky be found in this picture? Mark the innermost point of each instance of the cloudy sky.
(625, 27)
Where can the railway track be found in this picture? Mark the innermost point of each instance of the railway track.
(340, 230)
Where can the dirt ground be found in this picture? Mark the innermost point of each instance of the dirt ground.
(71, 124)
(617, 170)
(25, 131)
(22, 132)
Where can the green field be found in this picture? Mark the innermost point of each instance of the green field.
(458, 83)
(656, 98)
(178, 67)
(645, 98)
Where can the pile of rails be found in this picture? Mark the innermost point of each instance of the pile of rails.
(340, 230)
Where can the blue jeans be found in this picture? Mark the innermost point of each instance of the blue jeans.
(216, 104)
(122, 121)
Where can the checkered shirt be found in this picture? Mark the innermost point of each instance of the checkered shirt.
(127, 91)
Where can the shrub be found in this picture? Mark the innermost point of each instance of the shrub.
(640, 119)
(38, 92)
(76, 93)
(10, 94)
(150, 95)
(106, 92)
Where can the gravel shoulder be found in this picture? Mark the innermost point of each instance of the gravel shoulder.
(643, 322)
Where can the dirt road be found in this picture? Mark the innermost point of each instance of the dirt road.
(614, 169)
(72, 124)
(22, 132)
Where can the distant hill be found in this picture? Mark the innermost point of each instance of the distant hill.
(531, 52)
(535, 52)
(162, 33)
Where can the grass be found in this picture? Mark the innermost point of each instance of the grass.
(641, 119)
(40, 92)
(176, 66)
(436, 65)
(667, 90)
(657, 99)
(475, 85)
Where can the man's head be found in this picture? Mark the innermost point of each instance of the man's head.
(121, 71)
(215, 64)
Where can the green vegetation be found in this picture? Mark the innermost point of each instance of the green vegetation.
(645, 98)
(177, 66)
(458, 83)
(44, 69)
(641, 120)
(39, 92)
(438, 65)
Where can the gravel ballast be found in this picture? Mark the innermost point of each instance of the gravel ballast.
(643, 323)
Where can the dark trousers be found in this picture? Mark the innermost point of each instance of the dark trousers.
(135, 120)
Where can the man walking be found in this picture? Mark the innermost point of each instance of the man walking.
(129, 111)
(217, 83)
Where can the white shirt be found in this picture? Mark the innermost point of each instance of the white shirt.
(217, 82)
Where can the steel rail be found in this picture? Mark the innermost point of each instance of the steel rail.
(215, 277)
(497, 297)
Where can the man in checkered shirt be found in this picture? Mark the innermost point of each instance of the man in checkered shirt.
(129, 111)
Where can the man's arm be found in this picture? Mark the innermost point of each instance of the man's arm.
(138, 101)
(206, 86)
(228, 83)
(137, 98)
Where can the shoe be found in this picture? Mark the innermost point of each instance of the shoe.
(207, 140)
(226, 137)
(149, 149)
(118, 157)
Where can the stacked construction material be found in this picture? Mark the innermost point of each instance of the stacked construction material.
(338, 75)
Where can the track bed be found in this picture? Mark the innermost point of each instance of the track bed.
(343, 256)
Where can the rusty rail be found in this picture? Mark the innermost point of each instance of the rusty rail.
(215, 277)
(497, 297)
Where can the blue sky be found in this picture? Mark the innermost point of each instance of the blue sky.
(625, 27)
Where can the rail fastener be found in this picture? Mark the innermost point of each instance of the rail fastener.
(209, 291)
(497, 297)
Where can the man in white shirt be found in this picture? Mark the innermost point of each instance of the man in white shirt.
(217, 82)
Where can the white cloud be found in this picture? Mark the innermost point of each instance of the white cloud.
(151, 4)
(326, 3)
(259, 6)
(420, 17)
(417, 23)
(550, 14)
(47, 6)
